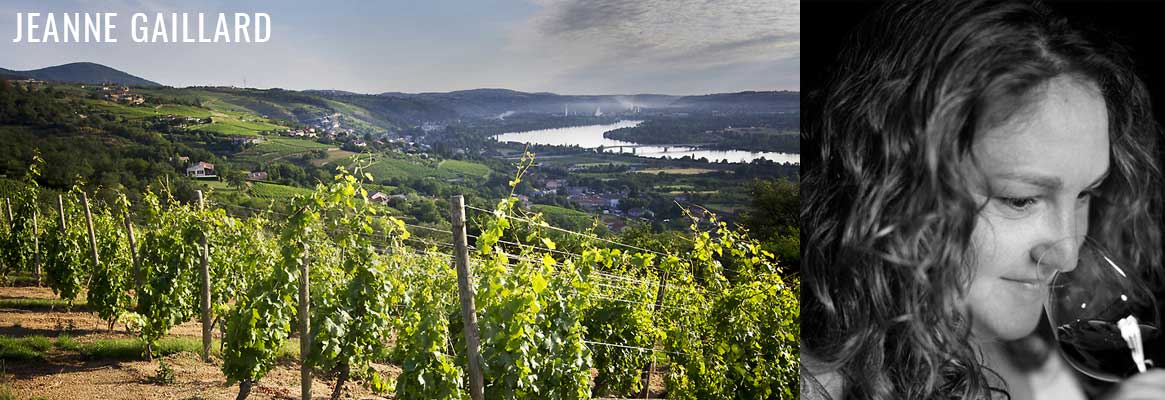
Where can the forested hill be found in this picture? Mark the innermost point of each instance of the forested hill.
(783, 101)
(384, 113)
(80, 72)
(494, 102)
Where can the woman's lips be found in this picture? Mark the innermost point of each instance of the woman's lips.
(1028, 290)
(1029, 281)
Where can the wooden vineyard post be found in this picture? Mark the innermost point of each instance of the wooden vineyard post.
(36, 243)
(133, 253)
(11, 223)
(465, 291)
(658, 304)
(304, 328)
(92, 235)
(205, 270)
(61, 211)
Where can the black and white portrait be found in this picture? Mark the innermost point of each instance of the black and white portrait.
(981, 200)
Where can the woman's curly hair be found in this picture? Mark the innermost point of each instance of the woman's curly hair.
(887, 215)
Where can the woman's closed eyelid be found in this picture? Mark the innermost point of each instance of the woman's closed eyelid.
(1016, 207)
(1020, 202)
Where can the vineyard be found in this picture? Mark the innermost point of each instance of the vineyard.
(501, 306)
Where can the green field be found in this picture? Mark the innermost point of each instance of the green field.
(216, 187)
(333, 155)
(128, 112)
(585, 160)
(386, 168)
(288, 145)
(135, 112)
(273, 191)
(236, 127)
(564, 217)
(466, 168)
(358, 118)
(180, 109)
(276, 147)
(228, 119)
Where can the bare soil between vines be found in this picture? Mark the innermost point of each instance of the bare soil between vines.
(67, 375)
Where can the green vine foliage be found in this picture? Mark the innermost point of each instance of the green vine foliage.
(565, 374)
(429, 369)
(727, 329)
(16, 244)
(531, 332)
(170, 260)
(507, 304)
(109, 287)
(65, 250)
(622, 314)
(352, 307)
(743, 342)
(258, 326)
(242, 252)
(261, 321)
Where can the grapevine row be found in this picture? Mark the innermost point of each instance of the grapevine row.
(542, 313)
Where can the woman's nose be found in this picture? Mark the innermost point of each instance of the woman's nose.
(1057, 255)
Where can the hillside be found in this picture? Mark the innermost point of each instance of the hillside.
(782, 101)
(495, 102)
(80, 72)
(380, 114)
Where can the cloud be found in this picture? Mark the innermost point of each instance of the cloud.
(578, 38)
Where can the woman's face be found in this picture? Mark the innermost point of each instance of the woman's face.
(1038, 170)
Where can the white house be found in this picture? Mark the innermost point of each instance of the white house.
(248, 139)
(383, 198)
(379, 197)
(202, 169)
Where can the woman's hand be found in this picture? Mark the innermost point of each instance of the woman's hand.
(1149, 385)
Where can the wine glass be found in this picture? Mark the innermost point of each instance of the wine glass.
(1086, 306)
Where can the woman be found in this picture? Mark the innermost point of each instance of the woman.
(966, 149)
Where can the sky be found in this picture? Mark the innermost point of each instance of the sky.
(678, 47)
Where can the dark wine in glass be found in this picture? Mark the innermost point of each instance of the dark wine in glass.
(1084, 307)
(1097, 348)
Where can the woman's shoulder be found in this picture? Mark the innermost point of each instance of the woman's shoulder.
(817, 381)
(811, 388)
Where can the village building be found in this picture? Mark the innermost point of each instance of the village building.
(248, 139)
(383, 198)
(28, 84)
(641, 212)
(202, 169)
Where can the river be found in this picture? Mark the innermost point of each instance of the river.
(591, 137)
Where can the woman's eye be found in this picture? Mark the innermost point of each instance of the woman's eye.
(1018, 203)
